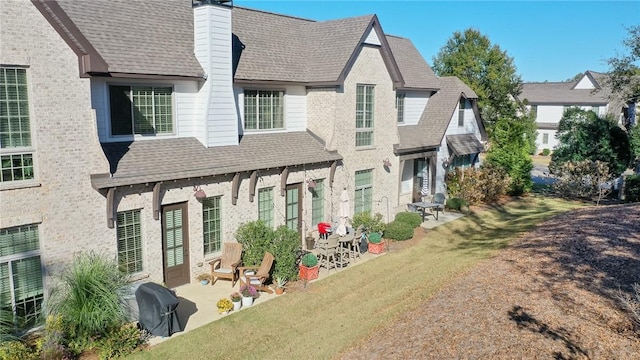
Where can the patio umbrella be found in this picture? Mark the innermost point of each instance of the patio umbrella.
(345, 212)
(425, 182)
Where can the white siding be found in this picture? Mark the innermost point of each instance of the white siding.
(414, 105)
(184, 107)
(552, 141)
(585, 83)
(372, 38)
(550, 113)
(212, 41)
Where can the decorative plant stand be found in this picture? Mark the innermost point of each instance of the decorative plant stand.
(308, 273)
(376, 248)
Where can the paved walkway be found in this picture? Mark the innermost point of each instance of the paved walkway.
(198, 302)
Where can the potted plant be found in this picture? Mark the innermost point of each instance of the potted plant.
(204, 278)
(376, 246)
(280, 284)
(308, 267)
(236, 299)
(248, 293)
(224, 306)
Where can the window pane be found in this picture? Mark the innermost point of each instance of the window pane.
(142, 110)
(263, 109)
(363, 200)
(250, 111)
(364, 115)
(265, 206)
(120, 105)
(317, 203)
(211, 225)
(129, 241)
(14, 119)
(163, 110)
(16, 167)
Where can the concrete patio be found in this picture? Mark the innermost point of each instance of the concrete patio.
(198, 302)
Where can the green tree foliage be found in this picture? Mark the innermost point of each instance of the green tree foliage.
(624, 69)
(491, 73)
(488, 70)
(510, 151)
(582, 135)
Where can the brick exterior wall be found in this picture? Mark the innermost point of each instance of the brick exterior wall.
(70, 214)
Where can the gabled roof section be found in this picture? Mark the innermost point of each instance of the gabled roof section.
(464, 144)
(141, 162)
(417, 74)
(562, 93)
(127, 38)
(282, 48)
(431, 128)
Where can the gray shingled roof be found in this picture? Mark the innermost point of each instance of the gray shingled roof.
(139, 37)
(180, 158)
(561, 93)
(464, 144)
(415, 70)
(436, 117)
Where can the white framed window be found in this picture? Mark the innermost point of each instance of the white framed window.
(363, 199)
(21, 285)
(212, 224)
(141, 110)
(400, 106)
(16, 152)
(129, 232)
(545, 138)
(461, 111)
(263, 109)
(364, 114)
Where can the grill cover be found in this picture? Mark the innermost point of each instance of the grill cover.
(157, 309)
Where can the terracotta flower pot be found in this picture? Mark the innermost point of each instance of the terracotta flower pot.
(308, 273)
(376, 248)
(279, 291)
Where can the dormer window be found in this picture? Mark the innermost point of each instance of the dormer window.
(143, 110)
(263, 109)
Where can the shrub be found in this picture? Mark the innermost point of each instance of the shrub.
(474, 185)
(582, 179)
(411, 218)
(375, 238)
(399, 230)
(120, 342)
(52, 344)
(371, 223)
(257, 238)
(546, 152)
(455, 203)
(309, 260)
(15, 349)
(632, 188)
(632, 304)
(89, 298)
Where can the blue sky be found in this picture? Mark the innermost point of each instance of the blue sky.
(548, 40)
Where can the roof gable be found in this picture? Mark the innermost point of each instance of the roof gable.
(416, 73)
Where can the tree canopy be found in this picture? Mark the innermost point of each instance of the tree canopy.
(582, 135)
(488, 70)
(624, 73)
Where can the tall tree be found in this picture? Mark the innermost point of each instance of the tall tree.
(492, 75)
(488, 70)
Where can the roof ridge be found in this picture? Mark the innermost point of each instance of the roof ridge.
(277, 14)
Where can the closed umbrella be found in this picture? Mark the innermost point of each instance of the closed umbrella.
(425, 191)
(345, 212)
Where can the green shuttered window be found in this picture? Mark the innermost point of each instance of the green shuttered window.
(317, 203)
(364, 115)
(265, 206)
(363, 199)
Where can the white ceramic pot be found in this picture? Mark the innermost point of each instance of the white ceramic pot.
(247, 301)
(237, 305)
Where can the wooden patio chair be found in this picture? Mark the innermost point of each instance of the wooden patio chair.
(257, 276)
(226, 266)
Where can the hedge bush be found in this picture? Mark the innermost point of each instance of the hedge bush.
(546, 152)
(632, 188)
(411, 218)
(455, 203)
(398, 230)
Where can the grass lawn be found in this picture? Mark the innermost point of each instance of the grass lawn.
(339, 311)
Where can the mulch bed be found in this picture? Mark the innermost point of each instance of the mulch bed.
(553, 294)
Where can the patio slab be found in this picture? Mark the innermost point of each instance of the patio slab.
(198, 302)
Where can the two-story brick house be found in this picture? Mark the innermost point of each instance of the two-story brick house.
(150, 131)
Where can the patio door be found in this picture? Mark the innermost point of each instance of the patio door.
(175, 245)
(294, 207)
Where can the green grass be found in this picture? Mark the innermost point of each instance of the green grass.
(337, 312)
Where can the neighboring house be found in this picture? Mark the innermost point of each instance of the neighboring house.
(549, 100)
(152, 131)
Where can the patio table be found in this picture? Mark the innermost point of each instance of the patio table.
(423, 206)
